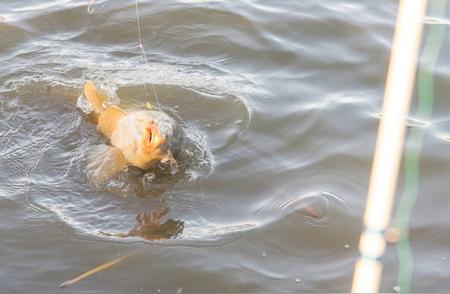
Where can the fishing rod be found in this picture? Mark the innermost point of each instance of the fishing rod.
(389, 144)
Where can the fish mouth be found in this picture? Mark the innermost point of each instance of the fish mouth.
(158, 147)
(154, 139)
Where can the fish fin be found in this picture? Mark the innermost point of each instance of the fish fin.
(94, 97)
(104, 162)
(108, 119)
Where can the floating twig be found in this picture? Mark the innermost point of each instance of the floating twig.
(97, 269)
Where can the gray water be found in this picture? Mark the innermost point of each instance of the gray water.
(280, 101)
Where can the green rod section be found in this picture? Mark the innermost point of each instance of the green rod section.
(433, 43)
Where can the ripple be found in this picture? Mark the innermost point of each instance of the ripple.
(42, 6)
(273, 98)
(317, 208)
(411, 122)
(51, 163)
(103, 66)
(199, 1)
(441, 129)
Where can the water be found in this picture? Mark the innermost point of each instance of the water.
(280, 101)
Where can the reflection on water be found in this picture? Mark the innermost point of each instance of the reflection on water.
(149, 226)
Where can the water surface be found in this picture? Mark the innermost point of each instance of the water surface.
(280, 101)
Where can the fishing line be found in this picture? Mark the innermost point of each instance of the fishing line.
(430, 53)
(143, 55)
(91, 10)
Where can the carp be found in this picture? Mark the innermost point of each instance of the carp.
(139, 137)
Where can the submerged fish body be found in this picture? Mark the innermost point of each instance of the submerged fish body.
(139, 138)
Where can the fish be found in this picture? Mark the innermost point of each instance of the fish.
(138, 137)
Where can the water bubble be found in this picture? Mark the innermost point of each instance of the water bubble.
(298, 280)
(263, 254)
(180, 290)
(347, 246)
(396, 289)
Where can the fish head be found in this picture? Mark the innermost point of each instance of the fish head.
(155, 144)
(146, 138)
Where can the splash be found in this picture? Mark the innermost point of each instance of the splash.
(55, 172)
